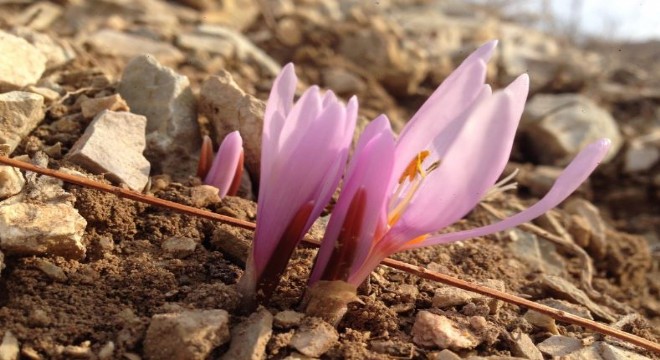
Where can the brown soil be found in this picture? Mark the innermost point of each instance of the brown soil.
(127, 277)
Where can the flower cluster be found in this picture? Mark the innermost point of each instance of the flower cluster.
(396, 194)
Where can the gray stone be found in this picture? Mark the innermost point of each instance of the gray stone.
(568, 307)
(208, 43)
(11, 181)
(314, 337)
(611, 352)
(51, 270)
(342, 81)
(540, 179)
(204, 195)
(57, 52)
(112, 144)
(20, 113)
(191, 334)
(249, 338)
(433, 330)
(643, 152)
(450, 296)
(287, 319)
(42, 229)
(559, 126)
(21, 63)
(91, 107)
(9, 347)
(559, 345)
(179, 247)
(567, 290)
(245, 50)
(117, 43)
(229, 108)
(39, 16)
(538, 255)
(524, 347)
(165, 98)
(593, 237)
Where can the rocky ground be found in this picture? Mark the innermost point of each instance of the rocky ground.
(87, 275)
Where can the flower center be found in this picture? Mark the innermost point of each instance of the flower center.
(409, 182)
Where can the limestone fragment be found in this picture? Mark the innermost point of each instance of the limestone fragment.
(524, 347)
(559, 345)
(21, 63)
(54, 229)
(57, 52)
(559, 126)
(567, 290)
(204, 195)
(229, 108)
(249, 338)
(11, 181)
(450, 296)
(314, 337)
(112, 144)
(20, 113)
(179, 247)
(51, 270)
(593, 237)
(9, 347)
(643, 152)
(433, 330)
(91, 107)
(165, 98)
(287, 319)
(117, 43)
(191, 334)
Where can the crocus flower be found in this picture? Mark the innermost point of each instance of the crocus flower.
(303, 156)
(398, 196)
(227, 167)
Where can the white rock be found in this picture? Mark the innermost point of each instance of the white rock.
(208, 43)
(112, 144)
(91, 107)
(524, 347)
(314, 337)
(204, 195)
(245, 49)
(21, 63)
(436, 330)
(165, 98)
(287, 319)
(559, 345)
(57, 52)
(11, 181)
(611, 352)
(116, 43)
(450, 296)
(559, 126)
(249, 338)
(42, 229)
(191, 334)
(20, 113)
(643, 152)
(9, 347)
(229, 108)
(179, 247)
(39, 16)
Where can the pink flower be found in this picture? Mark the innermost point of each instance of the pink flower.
(304, 152)
(397, 196)
(227, 168)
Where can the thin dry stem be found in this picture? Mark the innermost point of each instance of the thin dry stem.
(416, 270)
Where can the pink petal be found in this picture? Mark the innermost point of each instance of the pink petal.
(225, 162)
(280, 102)
(472, 163)
(372, 167)
(306, 171)
(453, 97)
(569, 180)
